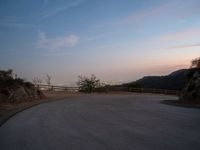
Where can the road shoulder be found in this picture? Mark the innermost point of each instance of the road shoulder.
(7, 110)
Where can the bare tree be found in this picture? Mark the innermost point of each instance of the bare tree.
(48, 80)
(37, 81)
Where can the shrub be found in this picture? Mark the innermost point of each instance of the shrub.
(196, 63)
(88, 84)
(7, 81)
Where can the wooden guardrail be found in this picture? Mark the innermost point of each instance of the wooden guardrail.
(57, 88)
(136, 90)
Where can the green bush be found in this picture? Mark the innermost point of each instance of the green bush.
(88, 84)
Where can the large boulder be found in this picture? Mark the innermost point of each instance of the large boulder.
(14, 89)
(18, 95)
(191, 92)
(23, 93)
(34, 93)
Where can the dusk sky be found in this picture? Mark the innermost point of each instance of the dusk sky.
(117, 40)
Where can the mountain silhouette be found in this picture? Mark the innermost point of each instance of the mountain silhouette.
(174, 81)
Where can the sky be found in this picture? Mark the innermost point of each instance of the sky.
(117, 40)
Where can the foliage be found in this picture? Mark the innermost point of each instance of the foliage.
(195, 66)
(196, 63)
(15, 89)
(7, 81)
(6, 74)
(6, 78)
(191, 92)
(88, 84)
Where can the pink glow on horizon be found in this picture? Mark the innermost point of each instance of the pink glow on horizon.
(181, 35)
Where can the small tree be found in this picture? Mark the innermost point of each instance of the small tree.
(6, 74)
(6, 78)
(195, 66)
(88, 85)
(196, 63)
(9, 81)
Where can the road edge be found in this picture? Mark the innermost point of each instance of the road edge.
(7, 116)
(176, 103)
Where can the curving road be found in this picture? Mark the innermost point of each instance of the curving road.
(104, 122)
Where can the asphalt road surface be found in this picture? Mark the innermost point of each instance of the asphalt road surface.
(104, 122)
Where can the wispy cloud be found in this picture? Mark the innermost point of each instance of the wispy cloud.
(185, 46)
(56, 43)
(174, 8)
(155, 11)
(13, 22)
(52, 12)
(181, 35)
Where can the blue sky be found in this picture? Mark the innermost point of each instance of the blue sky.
(117, 40)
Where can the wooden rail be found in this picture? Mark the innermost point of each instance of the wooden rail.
(57, 88)
(136, 90)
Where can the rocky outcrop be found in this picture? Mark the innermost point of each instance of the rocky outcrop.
(22, 93)
(191, 92)
(14, 89)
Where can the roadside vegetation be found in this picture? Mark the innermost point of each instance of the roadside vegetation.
(10, 80)
(15, 89)
(191, 92)
(88, 84)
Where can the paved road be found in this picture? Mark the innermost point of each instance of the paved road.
(123, 122)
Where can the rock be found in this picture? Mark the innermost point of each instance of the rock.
(32, 93)
(23, 93)
(14, 89)
(18, 95)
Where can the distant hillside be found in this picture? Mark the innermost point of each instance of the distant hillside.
(174, 81)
